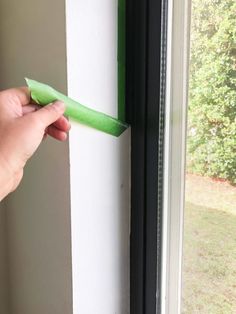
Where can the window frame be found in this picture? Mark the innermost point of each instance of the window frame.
(178, 44)
(157, 42)
(145, 99)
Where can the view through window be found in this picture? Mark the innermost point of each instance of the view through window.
(209, 248)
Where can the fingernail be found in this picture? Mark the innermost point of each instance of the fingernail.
(59, 105)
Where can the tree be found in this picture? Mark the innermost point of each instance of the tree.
(211, 148)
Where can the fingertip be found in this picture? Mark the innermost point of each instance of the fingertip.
(56, 133)
(59, 105)
(64, 136)
(62, 124)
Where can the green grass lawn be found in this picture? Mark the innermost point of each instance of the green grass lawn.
(209, 263)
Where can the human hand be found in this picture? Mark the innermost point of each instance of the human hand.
(23, 126)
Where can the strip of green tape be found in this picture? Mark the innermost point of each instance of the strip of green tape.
(44, 94)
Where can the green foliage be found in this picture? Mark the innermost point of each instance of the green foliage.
(212, 90)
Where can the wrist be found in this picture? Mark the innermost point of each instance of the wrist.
(6, 179)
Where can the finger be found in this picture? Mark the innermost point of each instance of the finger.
(29, 108)
(20, 93)
(62, 124)
(49, 114)
(56, 133)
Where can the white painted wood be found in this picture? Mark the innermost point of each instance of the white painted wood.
(175, 150)
(99, 164)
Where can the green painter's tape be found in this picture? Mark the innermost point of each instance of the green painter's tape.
(43, 94)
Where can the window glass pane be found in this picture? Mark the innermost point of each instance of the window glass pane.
(209, 251)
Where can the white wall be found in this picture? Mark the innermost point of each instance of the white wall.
(99, 165)
(32, 36)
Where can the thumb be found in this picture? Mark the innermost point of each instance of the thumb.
(50, 113)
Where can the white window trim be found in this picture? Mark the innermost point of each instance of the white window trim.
(175, 148)
(99, 164)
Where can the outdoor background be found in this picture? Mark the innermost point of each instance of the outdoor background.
(209, 262)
